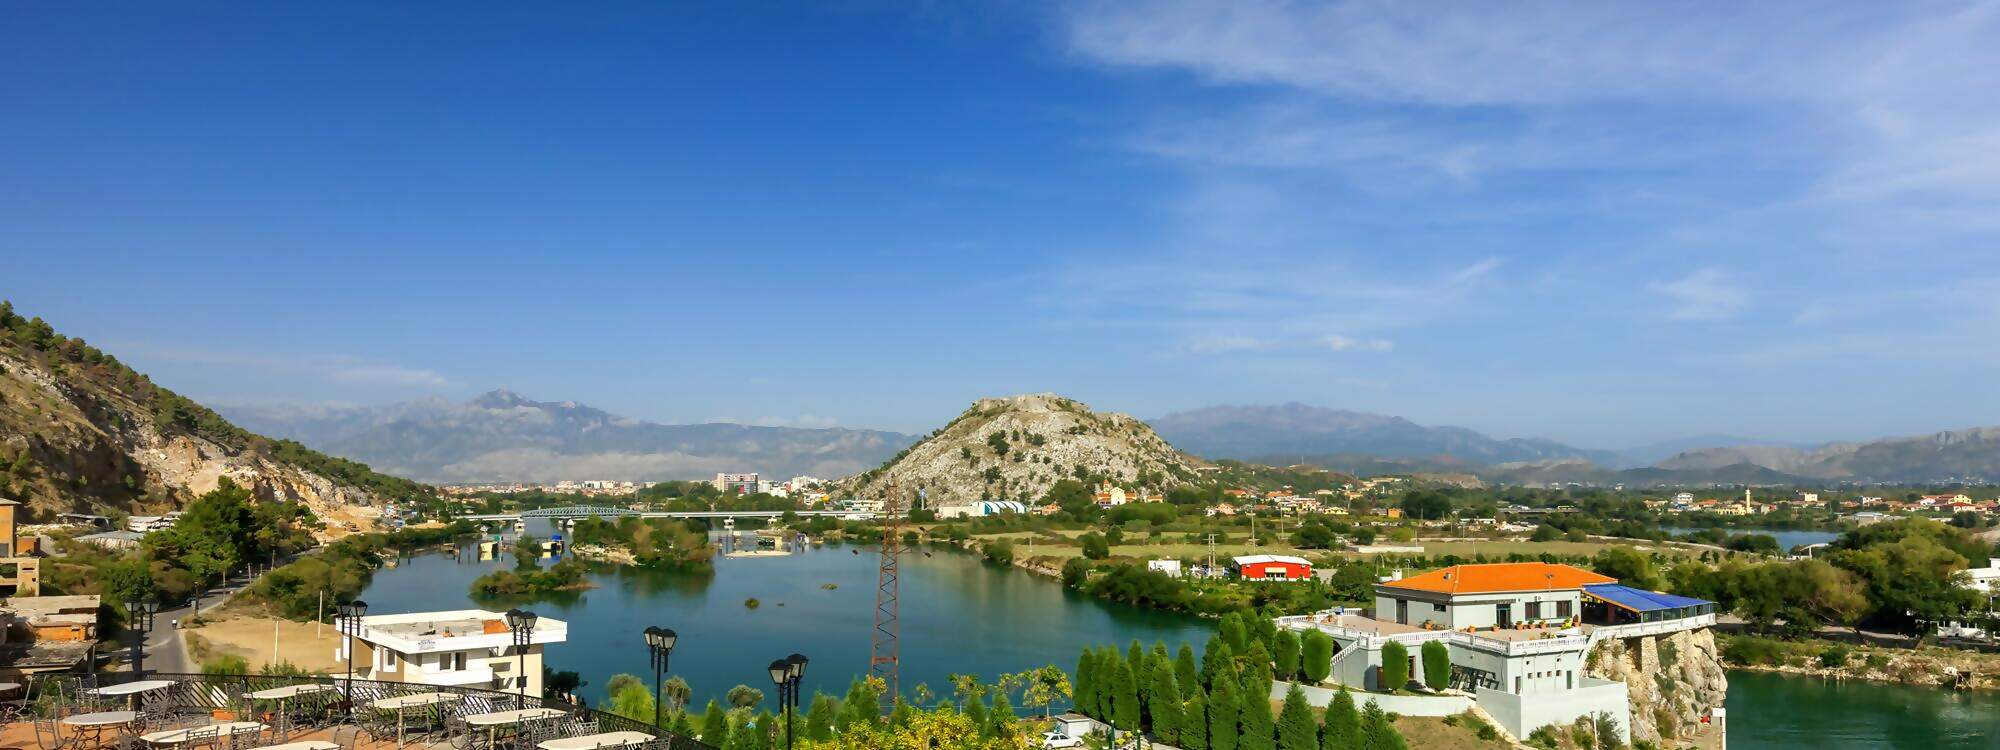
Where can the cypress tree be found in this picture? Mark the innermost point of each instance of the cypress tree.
(1163, 703)
(1437, 665)
(1296, 728)
(1259, 730)
(1194, 721)
(1135, 655)
(1285, 655)
(714, 725)
(1001, 721)
(1316, 656)
(1263, 630)
(859, 707)
(1125, 703)
(820, 718)
(1216, 664)
(1222, 714)
(1376, 732)
(1395, 672)
(1234, 633)
(1184, 671)
(1160, 652)
(745, 736)
(1256, 674)
(900, 713)
(1343, 724)
(975, 709)
(1107, 683)
(1083, 691)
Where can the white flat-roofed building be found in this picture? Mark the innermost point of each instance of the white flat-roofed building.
(467, 647)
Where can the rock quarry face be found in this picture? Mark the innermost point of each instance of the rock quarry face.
(1671, 680)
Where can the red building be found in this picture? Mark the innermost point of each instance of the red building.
(1271, 568)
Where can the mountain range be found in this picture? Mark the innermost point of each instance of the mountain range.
(1380, 444)
(501, 436)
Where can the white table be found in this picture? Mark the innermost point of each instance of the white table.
(497, 719)
(98, 721)
(288, 691)
(131, 688)
(418, 700)
(302, 745)
(592, 741)
(222, 728)
(283, 694)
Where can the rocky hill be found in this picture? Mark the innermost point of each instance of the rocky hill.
(1017, 447)
(82, 432)
(503, 437)
(1970, 455)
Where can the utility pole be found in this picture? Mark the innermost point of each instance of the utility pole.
(1211, 555)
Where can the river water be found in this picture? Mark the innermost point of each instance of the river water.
(962, 615)
(958, 614)
(1786, 539)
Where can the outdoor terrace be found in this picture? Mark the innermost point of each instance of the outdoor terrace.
(205, 712)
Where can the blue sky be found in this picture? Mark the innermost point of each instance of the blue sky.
(1607, 223)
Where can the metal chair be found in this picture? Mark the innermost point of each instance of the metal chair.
(48, 734)
(206, 736)
(347, 736)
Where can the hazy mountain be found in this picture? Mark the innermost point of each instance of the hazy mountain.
(1019, 446)
(1272, 433)
(1653, 453)
(502, 437)
(1954, 455)
(82, 432)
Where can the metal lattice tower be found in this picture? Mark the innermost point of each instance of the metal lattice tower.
(882, 657)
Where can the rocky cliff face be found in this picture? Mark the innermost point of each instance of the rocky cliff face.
(1671, 680)
(1019, 446)
(81, 432)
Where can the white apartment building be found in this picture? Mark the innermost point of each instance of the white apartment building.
(467, 647)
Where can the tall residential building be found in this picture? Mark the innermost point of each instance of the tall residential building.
(741, 483)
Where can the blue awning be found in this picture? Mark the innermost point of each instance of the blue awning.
(1641, 600)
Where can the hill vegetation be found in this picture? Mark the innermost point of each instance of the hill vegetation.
(82, 432)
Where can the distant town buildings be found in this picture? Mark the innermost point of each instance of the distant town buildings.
(981, 509)
(744, 484)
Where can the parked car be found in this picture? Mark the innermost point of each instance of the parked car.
(1057, 739)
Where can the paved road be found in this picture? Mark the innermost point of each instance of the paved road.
(165, 649)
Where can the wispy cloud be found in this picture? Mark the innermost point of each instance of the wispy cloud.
(337, 368)
(1709, 294)
(1253, 344)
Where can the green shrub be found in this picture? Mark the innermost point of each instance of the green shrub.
(1395, 666)
(1834, 656)
(1753, 651)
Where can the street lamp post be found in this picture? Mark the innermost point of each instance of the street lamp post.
(786, 673)
(522, 623)
(659, 644)
(350, 615)
(139, 619)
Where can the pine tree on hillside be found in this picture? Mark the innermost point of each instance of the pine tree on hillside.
(1343, 724)
(1256, 673)
(1296, 728)
(821, 717)
(1001, 721)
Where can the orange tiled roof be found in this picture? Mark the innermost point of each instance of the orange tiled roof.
(1500, 577)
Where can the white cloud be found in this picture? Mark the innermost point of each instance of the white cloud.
(1709, 294)
(1345, 344)
(340, 368)
(1881, 95)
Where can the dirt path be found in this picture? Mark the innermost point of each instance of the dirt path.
(307, 645)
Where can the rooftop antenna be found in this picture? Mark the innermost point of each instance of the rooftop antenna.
(883, 660)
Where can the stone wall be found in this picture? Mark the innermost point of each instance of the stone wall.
(1671, 681)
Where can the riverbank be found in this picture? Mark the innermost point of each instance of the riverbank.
(1925, 666)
